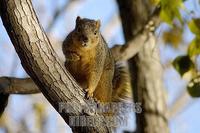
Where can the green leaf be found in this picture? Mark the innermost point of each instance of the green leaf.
(166, 16)
(194, 87)
(194, 26)
(170, 10)
(194, 47)
(154, 2)
(183, 64)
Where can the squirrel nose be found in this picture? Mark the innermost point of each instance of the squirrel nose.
(85, 39)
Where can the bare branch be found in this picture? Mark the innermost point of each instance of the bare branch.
(9, 85)
(127, 51)
(181, 101)
(146, 70)
(132, 47)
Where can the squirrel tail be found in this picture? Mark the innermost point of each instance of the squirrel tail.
(3, 102)
(122, 90)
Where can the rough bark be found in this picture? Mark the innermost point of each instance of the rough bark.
(11, 85)
(146, 69)
(40, 61)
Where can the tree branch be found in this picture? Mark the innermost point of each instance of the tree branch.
(145, 68)
(41, 63)
(132, 47)
(181, 101)
(9, 85)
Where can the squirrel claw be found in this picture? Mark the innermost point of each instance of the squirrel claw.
(89, 94)
(97, 101)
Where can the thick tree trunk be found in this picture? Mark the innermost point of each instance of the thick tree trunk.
(41, 63)
(146, 69)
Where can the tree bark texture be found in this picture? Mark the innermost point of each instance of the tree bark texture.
(146, 69)
(40, 61)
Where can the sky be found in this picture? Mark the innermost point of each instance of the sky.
(186, 121)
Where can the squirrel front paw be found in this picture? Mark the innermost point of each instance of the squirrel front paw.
(89, 93)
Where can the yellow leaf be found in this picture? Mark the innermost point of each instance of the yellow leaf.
(194, 26)
(173, 36)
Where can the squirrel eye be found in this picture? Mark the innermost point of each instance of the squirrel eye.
(95, 32)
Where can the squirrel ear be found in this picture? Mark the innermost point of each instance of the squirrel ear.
(98, 23)
(78, 19)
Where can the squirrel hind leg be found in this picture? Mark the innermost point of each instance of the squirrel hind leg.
(103, 92)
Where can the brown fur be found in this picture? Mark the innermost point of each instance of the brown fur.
(90, 62)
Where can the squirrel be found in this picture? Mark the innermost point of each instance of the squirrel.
(90, 62)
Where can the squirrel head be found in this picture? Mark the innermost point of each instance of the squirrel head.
(87, 32)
